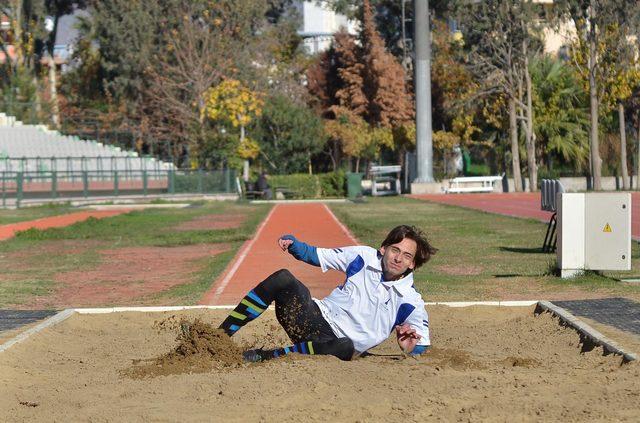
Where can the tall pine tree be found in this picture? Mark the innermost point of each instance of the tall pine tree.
(389, 104)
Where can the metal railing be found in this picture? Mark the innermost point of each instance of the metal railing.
(18, 186)
(127, 165)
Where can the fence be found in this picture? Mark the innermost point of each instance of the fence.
(18, 186)
(125, 164)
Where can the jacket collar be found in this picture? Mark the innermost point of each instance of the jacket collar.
(402, 286)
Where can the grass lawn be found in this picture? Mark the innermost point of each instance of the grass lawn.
(481, 256)
(8, 216)
(30, 261)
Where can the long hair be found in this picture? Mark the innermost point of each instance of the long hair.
(424, 250)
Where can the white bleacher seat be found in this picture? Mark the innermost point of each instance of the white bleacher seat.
(33, 141)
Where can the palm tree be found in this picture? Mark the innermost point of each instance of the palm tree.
(561, 109)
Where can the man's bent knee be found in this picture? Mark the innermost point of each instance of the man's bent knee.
(282, 274)
(279, 280)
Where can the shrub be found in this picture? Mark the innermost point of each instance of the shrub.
(304, 185)
(333, 184)
(311, 186)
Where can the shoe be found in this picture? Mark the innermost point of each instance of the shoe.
(256, 356)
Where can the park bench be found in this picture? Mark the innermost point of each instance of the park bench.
(462, 184)
(385, 180)
(245, 193)
(285, 193)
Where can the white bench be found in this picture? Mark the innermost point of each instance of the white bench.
(472, 184)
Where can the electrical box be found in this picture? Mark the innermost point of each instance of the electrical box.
(594, 232)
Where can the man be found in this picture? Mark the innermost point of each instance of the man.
(262, 185)
(376, 298)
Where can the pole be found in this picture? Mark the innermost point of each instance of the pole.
(422, 43)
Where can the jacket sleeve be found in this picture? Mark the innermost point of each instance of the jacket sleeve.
(302, 251)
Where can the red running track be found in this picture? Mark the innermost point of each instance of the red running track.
(8, 231)
(260, 256)
(520, 204)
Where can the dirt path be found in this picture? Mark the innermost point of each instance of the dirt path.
(313, 223)
(8, 231)
(520, 204)
(127, 276)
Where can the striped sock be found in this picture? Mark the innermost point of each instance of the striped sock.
(301, 348)
(249, 308)
(339, 347)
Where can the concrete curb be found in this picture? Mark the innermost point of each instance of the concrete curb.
(138, 206)
(148, 309)
(486, 303)
(122, 199)
(53, 320)
(586, 331)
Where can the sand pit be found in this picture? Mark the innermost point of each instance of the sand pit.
(488, 363)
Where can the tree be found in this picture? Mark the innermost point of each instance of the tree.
(288, 135)
(591, 19)
(278, 61)
(616, 78)
(372, 83)
(231, 102)
(128, 33)
(27, 35)
(389, 103)
(350, 95)
(453, 91)
(562, 121)
(357, 138)
(388, 17)
(56, 9)
(179, 80)
(323, 77)
(499, 36)
(160, 58)
(633, 110)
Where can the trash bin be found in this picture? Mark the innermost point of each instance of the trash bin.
(354, 185)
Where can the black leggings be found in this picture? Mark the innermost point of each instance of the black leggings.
(300, 316)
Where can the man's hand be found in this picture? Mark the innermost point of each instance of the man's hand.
(407, 337)
(285, 242)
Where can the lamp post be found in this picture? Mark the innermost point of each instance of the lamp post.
(422, 43)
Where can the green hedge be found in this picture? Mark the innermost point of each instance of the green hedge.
(324, 185)
(333, 184)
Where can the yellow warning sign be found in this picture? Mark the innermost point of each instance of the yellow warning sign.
(607, 228)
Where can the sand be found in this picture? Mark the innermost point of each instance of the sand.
(487, 363)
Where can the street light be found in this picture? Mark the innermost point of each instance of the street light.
(422, 46)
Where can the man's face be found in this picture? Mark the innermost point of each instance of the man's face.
(398, 258)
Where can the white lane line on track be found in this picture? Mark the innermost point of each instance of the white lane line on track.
(241, 257)
(343, 228)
